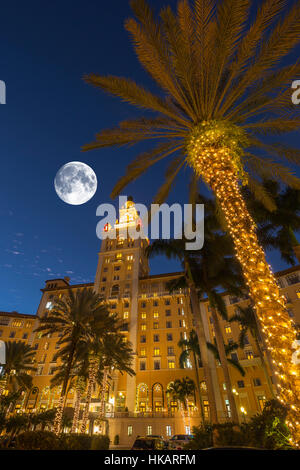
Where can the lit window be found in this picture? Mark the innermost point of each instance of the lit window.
(124, 339)
(119, 255)
(143, 315)
(16, 323)
(149, 430)
(155, 315)
(249, 354)
(171, 364)
(129, 267)
(227, 329)
(168, 431)
(129, 430)
(155, 325)
(257, 382)
(125, 315)
(143, 352)
(129, 257)
(156, 351)
(143, 327)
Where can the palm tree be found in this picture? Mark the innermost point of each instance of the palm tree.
(190, 347)
(19, 364)
(76, 318)
(180, 390)
(245, 316)
(220, 95)
(229, 348)
(206, 271)
(277, 227)
(176, 249)
(105, 353)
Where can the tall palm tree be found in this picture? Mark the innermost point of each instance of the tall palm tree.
(176, 249)
(76, 317)
(277, 227)
(206, 271)
(190, 347)
(224, 86)
(245, 316)
(19, 364)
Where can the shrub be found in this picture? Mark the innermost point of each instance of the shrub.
(37, 440)
(229, 434)
(75, 442)
(202, 437)
(100, 443)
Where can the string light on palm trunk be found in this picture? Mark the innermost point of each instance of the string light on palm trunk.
(214, 152)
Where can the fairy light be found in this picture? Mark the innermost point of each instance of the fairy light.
(59, 415)
(214, 150)
(92, 380)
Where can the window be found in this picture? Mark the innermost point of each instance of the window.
(143, 339)
(228, 408)
(246, 339)
(116, 278)
(241, 384)
(142, 365)
(156, 365)
(143, 304)
(170, 351)
(168, 324)
(169, 337)
(171, 364)
(25, 336)
(124, 327)
(257, 382)
(168, 313)
(156, 352)
(149, 430)
(155, 325)
(105, 270)
(156, 338)
(113, 306)
(117, 268)
(261, 402)
(143, 327)
(124, 339)
(104, 279)
(155, 303)
(249, 354)
(126, 304)
(168, 431)
(12, 334)
(167, 302)
(143, 352)
(16, 323)
(155, 315)
(227, 329)
(143, 315)
(129, 430)
(125, 315)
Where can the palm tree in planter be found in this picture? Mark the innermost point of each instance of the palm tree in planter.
(277, 225)
(18, 367)
(76, 317)
(219, 96)
(180, 390)
(190, 348)
(245, 316)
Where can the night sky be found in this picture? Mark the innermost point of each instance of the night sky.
(46, 48)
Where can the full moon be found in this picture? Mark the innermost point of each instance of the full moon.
(75, 183)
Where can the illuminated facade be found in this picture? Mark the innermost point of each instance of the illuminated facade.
(153, 321)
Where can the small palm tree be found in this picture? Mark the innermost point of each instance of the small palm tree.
(245, 316)
(104, 354)
(190, 347)
(19, 364)
(180, 390)
(223, 86)
(76, 318)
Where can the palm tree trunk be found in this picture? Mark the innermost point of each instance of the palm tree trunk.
(77, 406)
(220, 173)
(264, 368)
(199, 387)
(91, 382)
(224, 364)
(103, 390)
(204, 355)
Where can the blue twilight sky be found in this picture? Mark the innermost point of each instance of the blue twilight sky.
(45, 49)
